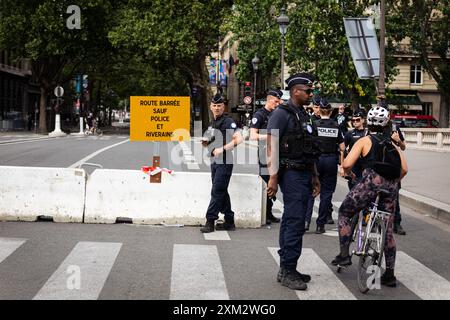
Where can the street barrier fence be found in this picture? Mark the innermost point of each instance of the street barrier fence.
(27, 194)
(427, 139)
(109, 196)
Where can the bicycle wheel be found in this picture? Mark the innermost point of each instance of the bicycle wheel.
(99, 132)
(369, 264)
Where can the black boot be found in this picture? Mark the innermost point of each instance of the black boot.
(228, 225)
(330, 219)
(293, 280)
(272, 218)
(388, 279)
(305, 277)
(209, 226)
(320, 229)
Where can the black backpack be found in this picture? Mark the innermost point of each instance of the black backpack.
(386, 159)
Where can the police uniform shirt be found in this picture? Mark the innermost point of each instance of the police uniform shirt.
(352, 136)
(227, 127)
(282, 120)
(259, 121)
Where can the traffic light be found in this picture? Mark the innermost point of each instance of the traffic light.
(248, 89)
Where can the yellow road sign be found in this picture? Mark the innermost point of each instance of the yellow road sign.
(159, 118)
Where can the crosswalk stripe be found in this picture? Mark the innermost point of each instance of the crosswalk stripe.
(197, 273)
(217, 235)
(8, 246)
(324, 283)
(421, 280)
(82, 274)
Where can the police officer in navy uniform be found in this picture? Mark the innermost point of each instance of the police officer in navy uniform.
(314, 116)
(331, 140)
(292, 152)
(220, 138)
(258, 132)
(359, 131)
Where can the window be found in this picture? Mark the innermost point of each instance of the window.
(416, 74)
(427, 108)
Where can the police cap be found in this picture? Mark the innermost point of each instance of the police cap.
(324, 104)
(217, 99)
(300, 78)
(316, 100)
(359, 113)
(277, 93)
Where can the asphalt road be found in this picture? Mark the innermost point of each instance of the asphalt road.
(155, 262)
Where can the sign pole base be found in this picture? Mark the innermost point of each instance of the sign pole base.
(157, 177)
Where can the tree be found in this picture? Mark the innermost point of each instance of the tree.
(37, 30)
(427, 24)
(173, 38)
(315, 42)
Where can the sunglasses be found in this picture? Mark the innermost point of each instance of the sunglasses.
(308, 91)
(356, 120)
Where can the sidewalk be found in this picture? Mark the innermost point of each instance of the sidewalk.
(427, 184)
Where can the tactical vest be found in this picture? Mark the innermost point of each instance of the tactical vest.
(327, 135)
(356, 135)
(262, 145)
(299, 145)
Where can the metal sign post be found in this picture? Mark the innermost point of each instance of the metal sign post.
(156, 163)
(59, 92)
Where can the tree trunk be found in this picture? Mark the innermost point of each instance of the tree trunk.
(43, 111)
(200, 79)
(444, 111)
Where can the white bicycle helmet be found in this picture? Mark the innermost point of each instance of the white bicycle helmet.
(378, 116)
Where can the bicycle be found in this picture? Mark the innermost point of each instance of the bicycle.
(370, 243)
(93, 131)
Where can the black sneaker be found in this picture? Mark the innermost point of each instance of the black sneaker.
(209, 226)
(398, 229)
(342, 261)
(320, 229)
(330, 220)
(305, 277)
(293, 280)
(388, 279)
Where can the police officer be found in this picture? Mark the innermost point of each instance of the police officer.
(316, 108)
(220, 138)
(359, 131)
(331, 141)
(341, 119)
(258, 132)
(292, 152)
(314, 116)
(396, 137)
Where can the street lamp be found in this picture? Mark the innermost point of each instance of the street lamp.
(283, 22)
(255, 63)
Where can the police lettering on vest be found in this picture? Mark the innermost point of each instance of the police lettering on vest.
(329, 136)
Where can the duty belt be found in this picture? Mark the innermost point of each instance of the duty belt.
(293, 166)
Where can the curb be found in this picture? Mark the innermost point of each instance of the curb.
(427, 206)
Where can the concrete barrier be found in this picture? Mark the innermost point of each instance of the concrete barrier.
(27, 193)
(181, 198)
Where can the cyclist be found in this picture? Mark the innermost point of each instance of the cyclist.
(366, 191)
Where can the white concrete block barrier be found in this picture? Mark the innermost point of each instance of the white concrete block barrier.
(27, 193)
(181, 198)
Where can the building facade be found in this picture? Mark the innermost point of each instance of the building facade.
(19, 95)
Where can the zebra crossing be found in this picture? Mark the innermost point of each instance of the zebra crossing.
(197, 272)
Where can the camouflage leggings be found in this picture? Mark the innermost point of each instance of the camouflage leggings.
(359, 198)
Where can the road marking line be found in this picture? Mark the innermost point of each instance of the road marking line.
(217, 235)
(76, 164)
(324, 285)
(82, 274)
(8, 246)
(197, 274)
(421, 280)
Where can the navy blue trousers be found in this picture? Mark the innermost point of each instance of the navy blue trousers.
(296, 188)
(327, 169)
(220, 199)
